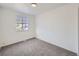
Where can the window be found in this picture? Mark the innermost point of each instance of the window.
(22, 23)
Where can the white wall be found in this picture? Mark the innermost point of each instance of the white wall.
(0, 30)
(59, 27)
(8, 27)
(78, 31)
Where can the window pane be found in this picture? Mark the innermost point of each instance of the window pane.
(25, 20)
(19, 27)
(25, 27)
(19, 19)
(22, 23)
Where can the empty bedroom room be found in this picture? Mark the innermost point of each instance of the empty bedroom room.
(39, 29)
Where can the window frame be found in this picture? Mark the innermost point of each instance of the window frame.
(24, 22)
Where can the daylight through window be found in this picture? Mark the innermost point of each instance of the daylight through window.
(22, 23)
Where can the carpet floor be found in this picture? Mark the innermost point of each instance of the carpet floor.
(34, 47)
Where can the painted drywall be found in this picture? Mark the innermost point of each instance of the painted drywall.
(8, 26)
(0, 30)
(59, 27)
(78, 31)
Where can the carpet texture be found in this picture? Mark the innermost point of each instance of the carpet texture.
(34, 47)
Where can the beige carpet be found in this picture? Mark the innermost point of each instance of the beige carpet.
(34, 47)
